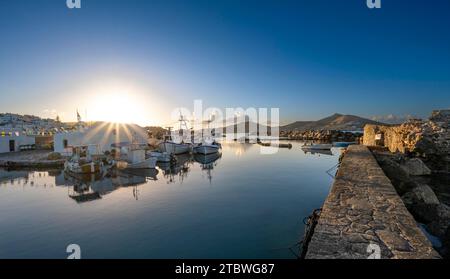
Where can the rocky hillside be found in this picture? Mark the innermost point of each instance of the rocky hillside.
(334, 122)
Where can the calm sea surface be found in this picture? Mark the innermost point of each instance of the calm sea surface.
(241, 205)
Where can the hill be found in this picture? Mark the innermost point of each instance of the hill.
(334, 122)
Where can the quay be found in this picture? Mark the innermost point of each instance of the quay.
(363, 211)
(33, 159)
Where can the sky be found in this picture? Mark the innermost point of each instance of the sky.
(309, 58)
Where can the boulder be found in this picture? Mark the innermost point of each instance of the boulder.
(415, 166)
(422, 203)
(425, 147)
(392, 170)
(403, 187)
(441, 222)
(424, 194)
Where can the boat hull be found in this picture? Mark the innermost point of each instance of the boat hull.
(317, 147)
(206, 149)
(149, 163)
(174, 148)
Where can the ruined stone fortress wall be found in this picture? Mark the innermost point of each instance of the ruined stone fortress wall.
(428, 139)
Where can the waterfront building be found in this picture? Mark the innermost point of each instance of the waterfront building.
(102, 135)
(13, 140)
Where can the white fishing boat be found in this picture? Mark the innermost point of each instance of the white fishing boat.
(317, 146)
(83, 165)
(172, 147)
(207, 148)
(208, 144)
(135, 157)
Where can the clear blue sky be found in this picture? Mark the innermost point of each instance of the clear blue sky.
(309, 58)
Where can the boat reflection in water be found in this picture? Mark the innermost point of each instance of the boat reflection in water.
(92, 187)
(208, 162)
(101, 212)
(178, 169)
(318, 152)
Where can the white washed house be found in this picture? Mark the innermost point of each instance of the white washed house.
(99, 137)
(11, 141)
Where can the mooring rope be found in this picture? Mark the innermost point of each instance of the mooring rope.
(310, 223)
(331, 169)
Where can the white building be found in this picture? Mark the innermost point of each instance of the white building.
(100, 135)
(11, 141)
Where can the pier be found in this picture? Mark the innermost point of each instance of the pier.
(33, 159)
(362, 213)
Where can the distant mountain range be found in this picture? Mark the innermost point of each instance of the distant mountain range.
(334, 122)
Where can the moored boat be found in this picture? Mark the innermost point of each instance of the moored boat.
(205, 148)
(149, 163)
(317, 146)
(171, 147)
(136, 160)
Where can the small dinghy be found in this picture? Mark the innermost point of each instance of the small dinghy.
(317, 146)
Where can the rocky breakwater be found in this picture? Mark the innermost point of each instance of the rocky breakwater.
(414, 182)
(415, 157)
(322, 135)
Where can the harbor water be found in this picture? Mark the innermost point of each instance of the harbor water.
(242, 204)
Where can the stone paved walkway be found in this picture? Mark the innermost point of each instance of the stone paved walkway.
(363, 208)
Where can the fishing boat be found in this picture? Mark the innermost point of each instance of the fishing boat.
(135, 157)
(207, 148)
(208, 144)
(79, 165)
(172, 147)
(136, 160)
(317, 146)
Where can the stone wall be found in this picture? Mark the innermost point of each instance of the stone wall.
(427, 139)
(363, 208)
